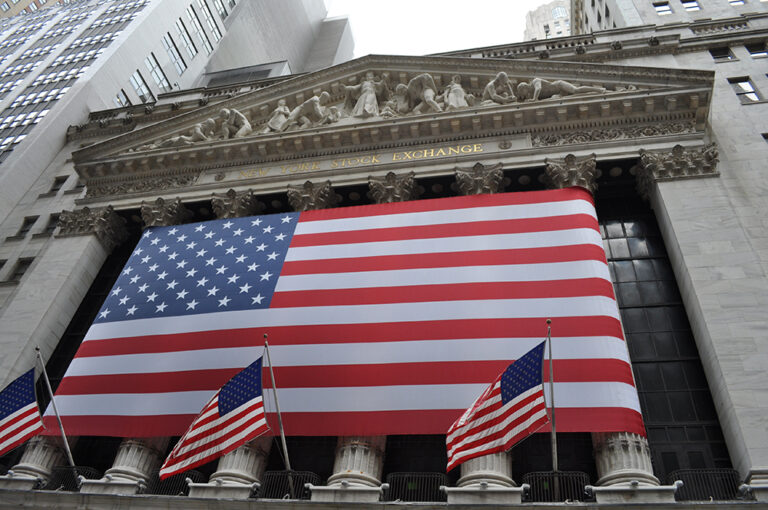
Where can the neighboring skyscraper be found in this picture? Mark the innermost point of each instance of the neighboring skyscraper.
(548, 21)
(9, 8)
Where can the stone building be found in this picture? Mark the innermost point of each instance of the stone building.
(548, 21)
(664, 124)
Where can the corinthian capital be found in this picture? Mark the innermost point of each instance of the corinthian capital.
(161, 213)
(310, 196)
(393, 188)
(573, 171)
(678, 163)
(479, 179)
(103, 222)
(233, 204)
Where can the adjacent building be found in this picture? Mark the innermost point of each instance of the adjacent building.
(548, 21)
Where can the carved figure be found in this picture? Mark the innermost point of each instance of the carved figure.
(499, 90)
(200, 132)
(363, 100)
(398, 103)
(543, 89)
(421, 94)
(233, 124)
(311, 112)
(278, 118)
(455, 97)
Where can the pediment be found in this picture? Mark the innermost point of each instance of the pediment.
(392, 101)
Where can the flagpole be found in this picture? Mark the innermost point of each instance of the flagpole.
(553, 434)
(279, 416)
(56, 412)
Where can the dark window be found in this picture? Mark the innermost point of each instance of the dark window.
(757, 50)
(26, 225)
(722, 53)
(690, 5)
(141, 88)
(744, 89)
(662, 8)
(173, 53)
(58, 182)
(121, 99)
(157, 73)
(21, 267)
(53, 222)
(765, 137)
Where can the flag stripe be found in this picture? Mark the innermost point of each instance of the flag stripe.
(19, 414)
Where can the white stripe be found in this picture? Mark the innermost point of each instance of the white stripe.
(361, 314)
(206, 438)
(369, 398)
(472, 349)
(446, 275)
(21, 433)
(16, 413)
(447, 245)
(464, 215)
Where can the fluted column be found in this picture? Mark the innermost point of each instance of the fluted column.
(572, 171)
(359, 461)
(393, 188)
(136, 462)
(163, 212)
(310, 196)
(494, 469)
(244, 465)
(236, 204)
(480, 179)
(40, 456)
(623, 458)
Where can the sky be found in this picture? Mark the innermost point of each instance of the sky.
(421, 27)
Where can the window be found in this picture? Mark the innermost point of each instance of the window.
(559, 12)
(26, 225)
(32, 7)
(737, 2)
(53, 222)
(220, 9)
(186, 40)
(21, 267)
(607, 12)
(744, 89)
(757, 50)
(208, 17)
(121, 99)
(662, 8)
(157, 73)
(4, 6)
(765, 137)
(140, 86)
(198, 31)
(690, 5)
(721, 54)
(58, 182)
(173, 53)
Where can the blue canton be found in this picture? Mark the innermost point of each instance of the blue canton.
(523, 374)
(20, 393)
(245, 386)
(205, 267)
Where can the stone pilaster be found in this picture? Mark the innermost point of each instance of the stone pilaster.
(310, 196)
(40, 456)
(572, 171)
(104, 223)
(237, 473)
(479, 179)
(236, 204)
(163, 212)
(622, 457)
(136, 461)
(393, 188)
(678, 163)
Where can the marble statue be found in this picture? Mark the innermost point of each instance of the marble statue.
(398, 103)
(233, 124)
(539, 88)
(278, 118)
(362, 100)
(421, 94)
(311, 112)
(455, 97)
(499, 90)
(200, 132)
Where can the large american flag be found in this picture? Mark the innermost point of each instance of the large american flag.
(19, 414)
(383, 319)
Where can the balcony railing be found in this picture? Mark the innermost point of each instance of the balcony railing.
(706, 484)
(63, 478)
(555, 487)
(286, 484)
(175, 485)
(415, 487)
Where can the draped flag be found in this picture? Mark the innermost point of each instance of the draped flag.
(382, 319)
(509, 410)
(234, 416)
(19, 415)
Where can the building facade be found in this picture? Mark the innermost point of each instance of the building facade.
(548, 21)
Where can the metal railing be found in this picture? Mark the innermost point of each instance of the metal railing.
(277, 484)
(415, 487)
(555, 487)
(63, 478)
(706, 484)
(175, 485)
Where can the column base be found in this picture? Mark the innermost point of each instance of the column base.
(20, 482)
(221, 490)
(634, 493)
(484, 494)
(108, 485)
(346, 493)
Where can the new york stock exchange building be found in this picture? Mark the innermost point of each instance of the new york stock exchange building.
(401, 228)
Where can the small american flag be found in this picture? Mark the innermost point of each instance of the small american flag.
(19, 415)
(234, 416)
(508, 411)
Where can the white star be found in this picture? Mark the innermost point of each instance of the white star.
(272, 256)
(145, 259)
(161, 307)
(256, 222)
(249, 239)
(127, 270)
(279, 237)
(233, 278)
(211, 261)
(172, 284)
(153, 267)
(213, 290)
(182, 294)
(221, 269)
(103, 315)
(181, 264)
(163, 248)
(202, 281)
(124, 300)
(135, 279)
(161, 276)
(201, 253)
(116, 291)
(268, 229)
(151, 297)
(224, 301)
(237, 232)
(253, 267)
(261, 247)
(227, 224)
(286, 219)
(265, 276)
(199, 228)
(143, 288)
(181, 238)
(173, 231)
(131, 310)
(241, 258)
(138, 251)
(191, 305)
(191, 246)
(219, 242)
(257, 299)
(208, 235)
(191, 273)
(154, 241)
(230, 250)
(148, 233)
(245, 288)
(173, 256)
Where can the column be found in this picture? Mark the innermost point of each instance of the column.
(572, 171)
(622, 458)
(310, 196)
(393, 188)
(494, 470)
(359, 461)
(236, 204)
(34, 469)
(479, 179)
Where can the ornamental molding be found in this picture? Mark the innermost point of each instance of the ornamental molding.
(675, 164)
(311, 196)
(480, 179)
(236, 204)
(572, 171)
(613, 133)
(161, 213)
(114, 187)
(103, 222)
(393, 188)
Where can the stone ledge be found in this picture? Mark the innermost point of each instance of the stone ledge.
(634, 493)
(111, 486)
(483, 494)
(19, 483)
(346, 493)
(221, 490)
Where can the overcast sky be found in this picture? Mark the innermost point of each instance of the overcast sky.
(420, 27)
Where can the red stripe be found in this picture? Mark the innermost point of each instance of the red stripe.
(37, 430)
(329, 376)
(568, 253)
(10, 427)
(352, 333)
(439, 204)
(455, 229)
(446, 292)
(606, 419)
